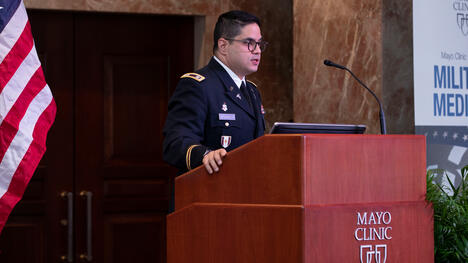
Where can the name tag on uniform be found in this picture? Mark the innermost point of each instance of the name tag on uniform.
(227, 116)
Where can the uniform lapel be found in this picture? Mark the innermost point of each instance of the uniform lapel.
(231, 89)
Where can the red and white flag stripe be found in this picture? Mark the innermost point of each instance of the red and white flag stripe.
(27, 110)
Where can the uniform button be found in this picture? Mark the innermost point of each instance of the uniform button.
(227, 124)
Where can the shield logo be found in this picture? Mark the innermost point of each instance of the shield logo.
(462, 22)
(225, 141)
(367, 253)
(380, 253)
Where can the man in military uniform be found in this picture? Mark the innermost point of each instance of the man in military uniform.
(215, 110)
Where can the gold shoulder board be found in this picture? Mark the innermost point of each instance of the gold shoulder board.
(194, 76)
(252, 83)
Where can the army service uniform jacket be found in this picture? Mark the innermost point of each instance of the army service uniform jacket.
(207, 112)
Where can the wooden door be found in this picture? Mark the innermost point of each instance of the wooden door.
(125, 68)
(111, 75)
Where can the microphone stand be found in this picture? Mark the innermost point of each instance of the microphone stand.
(383, 126)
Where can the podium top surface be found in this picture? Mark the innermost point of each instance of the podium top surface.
(313, 169)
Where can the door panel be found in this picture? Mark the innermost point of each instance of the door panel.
(30, 232)
(133, 112)
(134, 239)
(124, 67)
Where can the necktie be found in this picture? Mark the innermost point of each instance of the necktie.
(248, 97)
(246, 94)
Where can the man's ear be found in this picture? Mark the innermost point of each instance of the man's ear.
(222, 45)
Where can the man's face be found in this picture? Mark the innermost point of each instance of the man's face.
(238, 56)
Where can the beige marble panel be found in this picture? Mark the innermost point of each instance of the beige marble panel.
(398, 83)
(348, 33)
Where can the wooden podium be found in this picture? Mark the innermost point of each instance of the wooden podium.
(307, 198)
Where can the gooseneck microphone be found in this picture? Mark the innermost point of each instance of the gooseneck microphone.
(383, 125)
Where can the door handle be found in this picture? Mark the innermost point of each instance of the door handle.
(88, 255)
(69, 224)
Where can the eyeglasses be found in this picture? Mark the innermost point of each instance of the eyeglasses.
(251, 44)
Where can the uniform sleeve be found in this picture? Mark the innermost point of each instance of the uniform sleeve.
(185, 125)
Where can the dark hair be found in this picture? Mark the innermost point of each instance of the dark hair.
(230, 24)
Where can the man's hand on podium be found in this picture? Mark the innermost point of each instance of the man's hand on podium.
(213, 160)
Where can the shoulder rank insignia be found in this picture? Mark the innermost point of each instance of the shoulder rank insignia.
(252, 83)
(194, 76)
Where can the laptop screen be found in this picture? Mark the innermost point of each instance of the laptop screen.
(317, 128)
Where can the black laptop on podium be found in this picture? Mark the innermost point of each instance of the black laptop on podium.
(317, 128)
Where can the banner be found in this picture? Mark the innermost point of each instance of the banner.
(440, 48)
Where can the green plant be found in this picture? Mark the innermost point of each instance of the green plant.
(450, 217)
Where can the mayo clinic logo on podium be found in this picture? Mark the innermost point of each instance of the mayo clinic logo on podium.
(461, 7)
(373, 226)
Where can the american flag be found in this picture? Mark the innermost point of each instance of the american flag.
(27, 108)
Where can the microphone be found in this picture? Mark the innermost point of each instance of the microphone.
(332, 64)
(383, 125)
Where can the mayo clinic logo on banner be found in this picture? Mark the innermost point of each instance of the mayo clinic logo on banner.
(461, 7)
(462, 23)
(440, 55)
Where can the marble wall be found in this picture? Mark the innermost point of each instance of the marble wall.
(372, 38)
(348, 33)
(398, 82)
